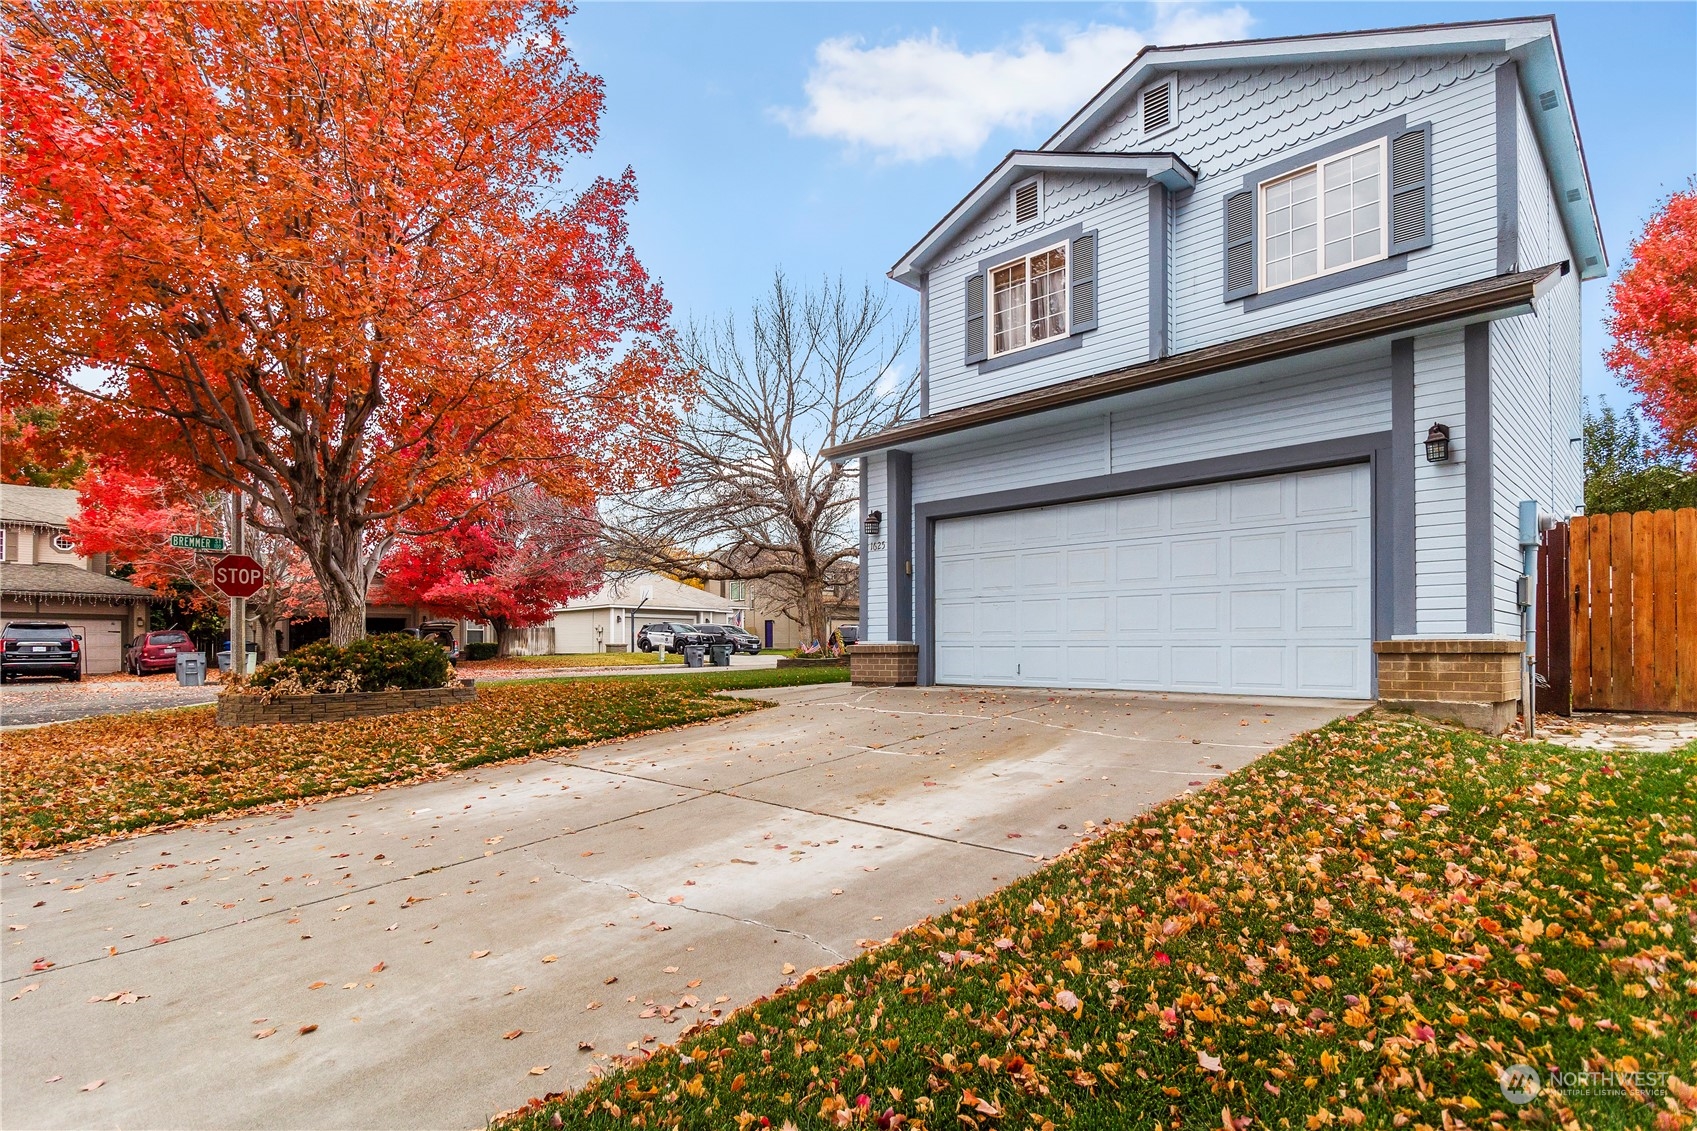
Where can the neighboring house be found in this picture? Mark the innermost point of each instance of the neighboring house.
(608, 619)
(44, 578)
(770, 610)
(1180, 363)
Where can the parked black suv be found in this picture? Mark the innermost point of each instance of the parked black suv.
(31, 647)
(738, 639)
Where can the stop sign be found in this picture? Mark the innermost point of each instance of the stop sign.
(237, 575)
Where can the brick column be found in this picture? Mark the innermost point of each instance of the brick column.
(894, 664)
(1474, 681)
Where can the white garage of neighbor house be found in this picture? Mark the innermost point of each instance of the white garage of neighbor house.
(1180, 366)
(42, 577)
(608, 619)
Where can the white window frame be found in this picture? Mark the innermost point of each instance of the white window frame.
(990, 350)
(1262, 234)
(69, 547)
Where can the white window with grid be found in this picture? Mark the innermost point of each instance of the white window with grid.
(1028, 300)
(1324, 218)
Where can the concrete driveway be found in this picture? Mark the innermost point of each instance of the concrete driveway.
(590, 904)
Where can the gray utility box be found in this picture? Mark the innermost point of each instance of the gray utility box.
(693, 655)
(191, 668)
(720, 654)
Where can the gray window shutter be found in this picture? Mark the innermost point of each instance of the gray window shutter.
(975, 338)
(1411, 190)
(1083, 276)
(1240, 245)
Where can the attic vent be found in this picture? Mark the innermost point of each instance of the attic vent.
(1547, 100)
(1157, 108)
(1027, 202)
(1590, 261)
(1573, 195)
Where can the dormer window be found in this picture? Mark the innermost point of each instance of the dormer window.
(1028, 300)
(1028, 202)
(1325, 217)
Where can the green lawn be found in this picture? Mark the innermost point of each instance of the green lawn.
(1361, 929)
(119, 773)
(469, 668)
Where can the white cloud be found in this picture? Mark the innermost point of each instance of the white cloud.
(925, 97)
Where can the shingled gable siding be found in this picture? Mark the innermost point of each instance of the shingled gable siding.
(1237, 120)
(1117, 208)
(1535, 373)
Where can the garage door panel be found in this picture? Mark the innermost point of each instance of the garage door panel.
(957, 620)
(102, 644)
(1258, 586)
(1138, 613)
(1257, 555)
(1258, 668)
(1194, 612)
(1337, 669)
(1138, 562)
(1258, 610)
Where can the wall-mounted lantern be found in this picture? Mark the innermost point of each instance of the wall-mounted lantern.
(874, 523)
(1438, 444)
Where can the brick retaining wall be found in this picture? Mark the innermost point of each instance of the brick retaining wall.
(245, 711)
(1474, 681)
(893, 664)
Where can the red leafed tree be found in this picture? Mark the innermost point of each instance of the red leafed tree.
(325, 256)
(1653, 319)
(131, 516)
(524, 554)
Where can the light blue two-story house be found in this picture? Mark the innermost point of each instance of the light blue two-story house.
(1243, 373)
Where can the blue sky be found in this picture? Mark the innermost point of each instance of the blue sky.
(826, 138)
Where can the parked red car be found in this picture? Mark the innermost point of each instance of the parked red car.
(156, 651)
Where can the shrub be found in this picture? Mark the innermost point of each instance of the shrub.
(395, 662)
(482, 650)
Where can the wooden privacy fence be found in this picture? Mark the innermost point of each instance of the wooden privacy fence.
(1617, 613)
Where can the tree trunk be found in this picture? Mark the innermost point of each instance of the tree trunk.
(813, 611)
(347, 619)
(504, 636)
(343, 583)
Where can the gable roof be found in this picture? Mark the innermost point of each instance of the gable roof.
(667, 595)
(1167, 168)
(1483, 298)
(1531, 42)
(37, 506)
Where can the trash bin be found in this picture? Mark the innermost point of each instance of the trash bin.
(223, 658)
(693, 655)
(191, 668)
(720, 654)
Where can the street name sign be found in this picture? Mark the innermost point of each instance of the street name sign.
(203, 542)
(238, 576)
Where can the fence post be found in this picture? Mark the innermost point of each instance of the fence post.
(1555, 619)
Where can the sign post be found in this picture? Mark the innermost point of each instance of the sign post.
(238, 601)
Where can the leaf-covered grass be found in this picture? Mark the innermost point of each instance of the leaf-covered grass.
(1361, 929)
(118, 773)
(470, 668)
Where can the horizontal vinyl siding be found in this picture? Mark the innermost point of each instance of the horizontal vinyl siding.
(1118, 209)
(876, 563)
(1232, 122)
(1226, 417)
(1535, 390)
(1052, 453)
(1440, 489)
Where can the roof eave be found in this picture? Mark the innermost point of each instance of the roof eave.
(1476, 300)
(1166, 168)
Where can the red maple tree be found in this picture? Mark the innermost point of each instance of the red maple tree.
(524, 554)
(130, 516)
(1653, 319)
(324, 255)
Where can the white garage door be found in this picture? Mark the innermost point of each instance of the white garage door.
(102, 643)
(1254, 587)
